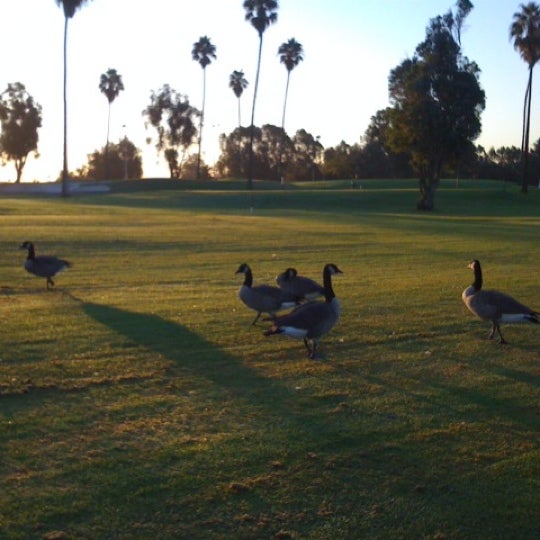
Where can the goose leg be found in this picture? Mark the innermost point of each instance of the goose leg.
(256, 319)
(307, 347)
(314, 354)
(502, 341)
(50, 282)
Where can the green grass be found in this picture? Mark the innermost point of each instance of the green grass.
(137, 402)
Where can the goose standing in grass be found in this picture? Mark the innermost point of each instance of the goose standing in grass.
(313, 320)
(494, 306)
(43, 266)
(263, 298)
(302, 287)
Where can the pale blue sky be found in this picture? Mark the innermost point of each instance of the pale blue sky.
(350, 46)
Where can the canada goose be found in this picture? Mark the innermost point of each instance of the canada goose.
(494, 306)
(44, 265)
(302, 287)
(313, 320)
(263, 298)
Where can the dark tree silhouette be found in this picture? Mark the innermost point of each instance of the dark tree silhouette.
(436, 106)
(20, 118)
(261, 14)
(290, 54)
(69, 7)
(238, 83)
(525, 32)
(203, 51)
(174, 119)
(110, 84)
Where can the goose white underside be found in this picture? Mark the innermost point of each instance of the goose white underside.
(294, 332)
(515, 318)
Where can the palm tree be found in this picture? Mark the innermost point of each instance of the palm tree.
(261, 14)
(203, 51)
(290, 54)
(238, 84)
(525, 32)
(110, 84)
(70, 7)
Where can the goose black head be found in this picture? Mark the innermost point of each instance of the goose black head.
(332, 269)
(243, 269)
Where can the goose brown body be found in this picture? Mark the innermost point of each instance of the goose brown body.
(495, 306)
(263, 298)
(302, 287)
(45, 266)
(311, 321)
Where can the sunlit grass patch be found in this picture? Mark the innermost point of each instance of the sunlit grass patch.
(138, 400)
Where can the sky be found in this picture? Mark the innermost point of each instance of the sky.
(350, 47)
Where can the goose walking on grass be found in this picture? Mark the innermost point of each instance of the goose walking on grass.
(495, 306)
(263, 298)
(44, 266)
(313, 320)
(302, 287)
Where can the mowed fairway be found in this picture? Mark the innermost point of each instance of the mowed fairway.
(136, 401)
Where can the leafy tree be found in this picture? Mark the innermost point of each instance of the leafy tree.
(238, 84)
(388, 164)
(116, 160)
(436, 105)
(110, 84)
(235, 150)
(339, 161)
(525, 32)
(203, 51)
(265, 144)
(192, 166)
(261, 14)
(464, 7)
(307, 156)
(69, 7)
(20, 118)
(171, 114)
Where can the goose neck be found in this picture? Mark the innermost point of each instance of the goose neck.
(327, 284)
(248, 278)
(477, 284)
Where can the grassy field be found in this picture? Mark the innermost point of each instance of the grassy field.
(136, 401)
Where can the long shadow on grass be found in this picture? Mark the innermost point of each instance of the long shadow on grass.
(188, 351)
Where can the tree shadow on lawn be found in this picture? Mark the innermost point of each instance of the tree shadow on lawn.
(189, 351)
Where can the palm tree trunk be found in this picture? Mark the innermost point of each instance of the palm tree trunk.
(239, 117)
(107, 144)
(65, 164)
(527, 128)
(525, 101)
(252, 128)
(201, 122)
(280, 164)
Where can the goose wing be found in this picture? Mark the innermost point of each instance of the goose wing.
(46, 265)
(309, 320)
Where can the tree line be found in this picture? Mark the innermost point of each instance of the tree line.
(427, 131)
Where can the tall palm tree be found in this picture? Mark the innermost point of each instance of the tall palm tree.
(110, 84)
(238, 84)
(261, 14)
(290, 54)
(69, 7)
(525, 32)
(203, 51)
